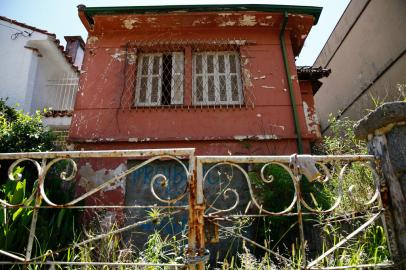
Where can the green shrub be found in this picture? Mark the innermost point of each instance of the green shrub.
(21, 132)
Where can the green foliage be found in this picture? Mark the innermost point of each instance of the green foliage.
(370, 246)
(54, 228)
(281, 231)
(281, 234)
(21, 132)
(341, 139)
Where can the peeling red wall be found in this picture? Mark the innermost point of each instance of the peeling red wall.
(100, 122)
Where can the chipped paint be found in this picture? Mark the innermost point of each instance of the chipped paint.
(256, 137)
(92, 40)
(203, 20)
(227, 23)
(151, 20)
(312, 121)
(132, 58)
(246, 72)
(277, 126)
(247, 20)
(225, 14)
(267, 87)
(129, 23)
(260, 78)
(119, 55)
(90, 179)
(133, 139)
(268, 17)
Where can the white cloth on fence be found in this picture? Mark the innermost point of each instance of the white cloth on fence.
(306, 166)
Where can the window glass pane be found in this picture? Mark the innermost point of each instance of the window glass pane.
(143, 90)
(199, 64)
(223, 87)
(211, 88)
(177, 63)
(221, 63)
(217, 78)
(145, 63)
(234, 87)
(210, 63)
(154, 90)
(177, 78)
(177, 87)
(233, 68)
(199, 88)
(155, 69)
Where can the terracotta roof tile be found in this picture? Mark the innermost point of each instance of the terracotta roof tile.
(56, 113)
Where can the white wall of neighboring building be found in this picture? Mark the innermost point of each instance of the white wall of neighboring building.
(19, 65)
(35, 72)
(80, 53)
(52, 72)
(366, 54)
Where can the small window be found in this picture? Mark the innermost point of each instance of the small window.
(159, 79)
(217, 78)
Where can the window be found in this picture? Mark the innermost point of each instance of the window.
(217, 78)
(159, 79)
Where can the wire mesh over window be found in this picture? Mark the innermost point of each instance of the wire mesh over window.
(187, 73)
(159, 79)
(217, 78)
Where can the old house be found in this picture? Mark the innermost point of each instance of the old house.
(221, 78)
(218, 78)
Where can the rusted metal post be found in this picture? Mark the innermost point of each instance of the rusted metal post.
(196, 245)
(200, 208)
(191, 250)
(192, 228)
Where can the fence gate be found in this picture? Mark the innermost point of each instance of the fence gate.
(170, 209)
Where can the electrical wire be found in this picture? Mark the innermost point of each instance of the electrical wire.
(19, 33)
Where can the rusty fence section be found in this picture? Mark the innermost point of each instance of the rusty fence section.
(205, 203)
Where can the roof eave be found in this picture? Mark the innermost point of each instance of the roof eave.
(86, 13)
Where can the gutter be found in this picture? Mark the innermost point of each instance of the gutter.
(290, 85)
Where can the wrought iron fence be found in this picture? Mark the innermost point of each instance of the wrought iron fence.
(167, 208)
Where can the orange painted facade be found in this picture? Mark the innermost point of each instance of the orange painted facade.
(104, 115)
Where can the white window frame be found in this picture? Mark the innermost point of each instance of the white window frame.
(229, 99)
(175, 100)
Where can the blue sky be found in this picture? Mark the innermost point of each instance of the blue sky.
(60, 16)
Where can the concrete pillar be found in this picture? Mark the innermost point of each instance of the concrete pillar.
(385, 131)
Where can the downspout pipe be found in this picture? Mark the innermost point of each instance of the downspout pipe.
(290, 85)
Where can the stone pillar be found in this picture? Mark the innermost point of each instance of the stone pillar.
(385, 130)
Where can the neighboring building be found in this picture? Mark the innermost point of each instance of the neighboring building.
(37, 73)
(209, 77)
(366, 54)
